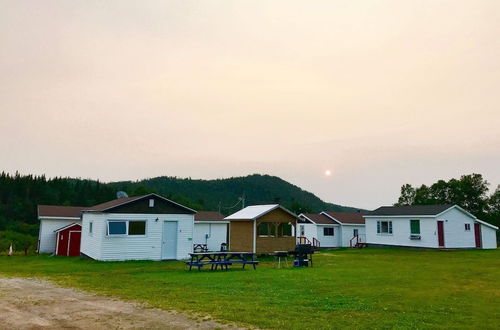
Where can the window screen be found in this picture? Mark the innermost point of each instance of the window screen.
(263, 229)
(137, 228)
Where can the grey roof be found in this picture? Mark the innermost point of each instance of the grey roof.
(410, 210)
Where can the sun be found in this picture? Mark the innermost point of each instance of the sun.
(328, 173)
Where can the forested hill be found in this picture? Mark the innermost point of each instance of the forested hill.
(19, 195)
(256, 189)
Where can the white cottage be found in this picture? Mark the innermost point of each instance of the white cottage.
(332, 229)
(428, 226)
(148, 227)
(210, 229)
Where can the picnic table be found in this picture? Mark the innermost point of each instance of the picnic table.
(221, 259)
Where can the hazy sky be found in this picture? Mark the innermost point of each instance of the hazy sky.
(382, 93)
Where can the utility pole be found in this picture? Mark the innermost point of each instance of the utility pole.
(243, 201)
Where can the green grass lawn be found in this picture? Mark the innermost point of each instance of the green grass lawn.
(373, 287)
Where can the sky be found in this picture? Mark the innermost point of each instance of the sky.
(380, 93)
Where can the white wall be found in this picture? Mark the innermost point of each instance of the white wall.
(91, 243)
(148, 247)
(455, 235)
(217, 234)
(347, 232)
(401, 232)
(328, 241)
(488, 237)
(47, 237)
(310, 231)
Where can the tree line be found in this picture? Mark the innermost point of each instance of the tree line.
(470, 192)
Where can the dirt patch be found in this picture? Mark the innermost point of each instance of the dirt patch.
(38, 304)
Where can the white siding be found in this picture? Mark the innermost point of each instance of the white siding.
(455, 235)
(347, 232)
(310, 231)
(91, 243)
(148, 247)
(212, 234)
(328, 241)
(47, 237)
(488, 237)
(401, 232)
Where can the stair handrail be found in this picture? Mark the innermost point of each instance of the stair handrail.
(316, 243)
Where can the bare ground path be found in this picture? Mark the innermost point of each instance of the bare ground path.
(39, 304)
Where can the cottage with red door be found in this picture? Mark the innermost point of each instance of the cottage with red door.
(68, 240)
(429, 226)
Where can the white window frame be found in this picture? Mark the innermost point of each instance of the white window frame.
(467, 227)
(389, 228)
(151, 202)
(126, 228)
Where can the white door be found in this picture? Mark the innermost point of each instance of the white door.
(169, 241)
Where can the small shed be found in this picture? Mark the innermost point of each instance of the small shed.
(68, 240)
(262, 229)
(210, 229)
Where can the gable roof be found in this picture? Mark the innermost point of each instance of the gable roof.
(59, 211)
(126, 200)
(255, 211)
(410, 210)
(68, 226)
(208, 216)
(346, 217)
(319, 219)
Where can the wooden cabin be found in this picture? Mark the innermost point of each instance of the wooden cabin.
(262, 229)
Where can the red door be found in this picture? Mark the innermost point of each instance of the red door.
(62, 243)
(441, 233)
(74, 243)
(477, 235)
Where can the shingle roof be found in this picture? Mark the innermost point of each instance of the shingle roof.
(59, 211)
(113, 203)
(347, 217)
(319, 218)
(410, 210)
(208, 216)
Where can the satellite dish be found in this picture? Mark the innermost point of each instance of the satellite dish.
(121, 194)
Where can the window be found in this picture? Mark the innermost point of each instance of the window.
(263, 229)
(151, 202)
(117, 227)
(284, 229)
(384, 227)
(467, 227)
(91, 225)
(302, 230)
(354, 232)
(137, 227)
(415, 227)
(272, 229)
(328, 231)
(124, 228)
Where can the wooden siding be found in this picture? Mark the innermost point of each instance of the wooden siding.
(141, 206)
(270, 244)
(277, 215)
(241, 236)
